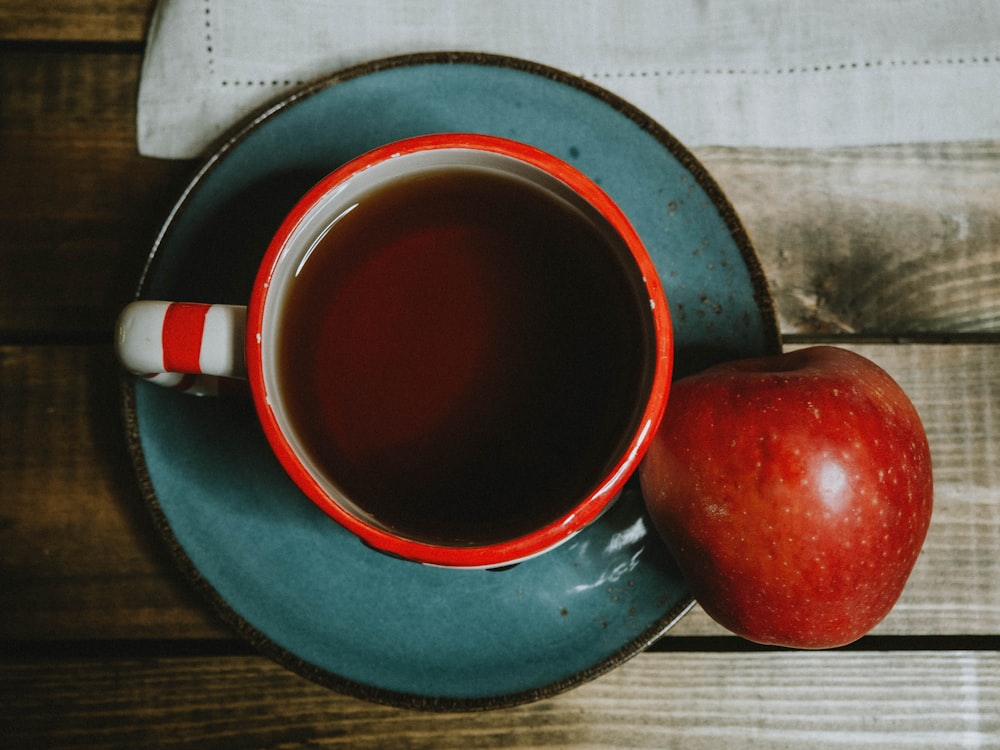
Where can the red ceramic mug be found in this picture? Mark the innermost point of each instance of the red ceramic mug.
(456, 344)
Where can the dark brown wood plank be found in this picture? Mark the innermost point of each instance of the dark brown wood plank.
(78, 555)
(75, 20)
(75, 196)
(697, 700)
(79, 559)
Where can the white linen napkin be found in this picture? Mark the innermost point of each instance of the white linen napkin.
(713, 72)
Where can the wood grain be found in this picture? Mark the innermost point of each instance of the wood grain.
(891, 239)
(881, 240)
(700, 700)
(75, 196)
(78, 558)
(74, 20)
(78, 555)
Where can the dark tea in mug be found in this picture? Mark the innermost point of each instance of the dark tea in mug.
(456, 344)
(468, 355)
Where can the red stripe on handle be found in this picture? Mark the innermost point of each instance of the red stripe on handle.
(183, 326)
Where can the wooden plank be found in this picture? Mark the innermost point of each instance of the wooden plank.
(891, 239)
(69, 93)
(94, 219)
(874, 240)
(80, 560)
(78, 555)
(75, 20)
(697, 700)
(75, 196)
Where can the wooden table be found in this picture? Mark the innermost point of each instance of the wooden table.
(891, 251)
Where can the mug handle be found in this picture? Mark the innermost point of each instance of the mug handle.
(189, 346)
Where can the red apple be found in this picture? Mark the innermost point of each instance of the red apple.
(794, 492)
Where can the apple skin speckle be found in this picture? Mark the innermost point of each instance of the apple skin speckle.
(795, 493)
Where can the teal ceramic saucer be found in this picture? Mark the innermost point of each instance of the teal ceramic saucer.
(276, 568)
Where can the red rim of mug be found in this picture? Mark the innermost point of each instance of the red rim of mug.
(589, 508)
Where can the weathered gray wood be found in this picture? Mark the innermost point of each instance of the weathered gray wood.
(693, 700)
(884, 239)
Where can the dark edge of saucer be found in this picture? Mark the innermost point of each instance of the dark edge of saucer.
(257, 640)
